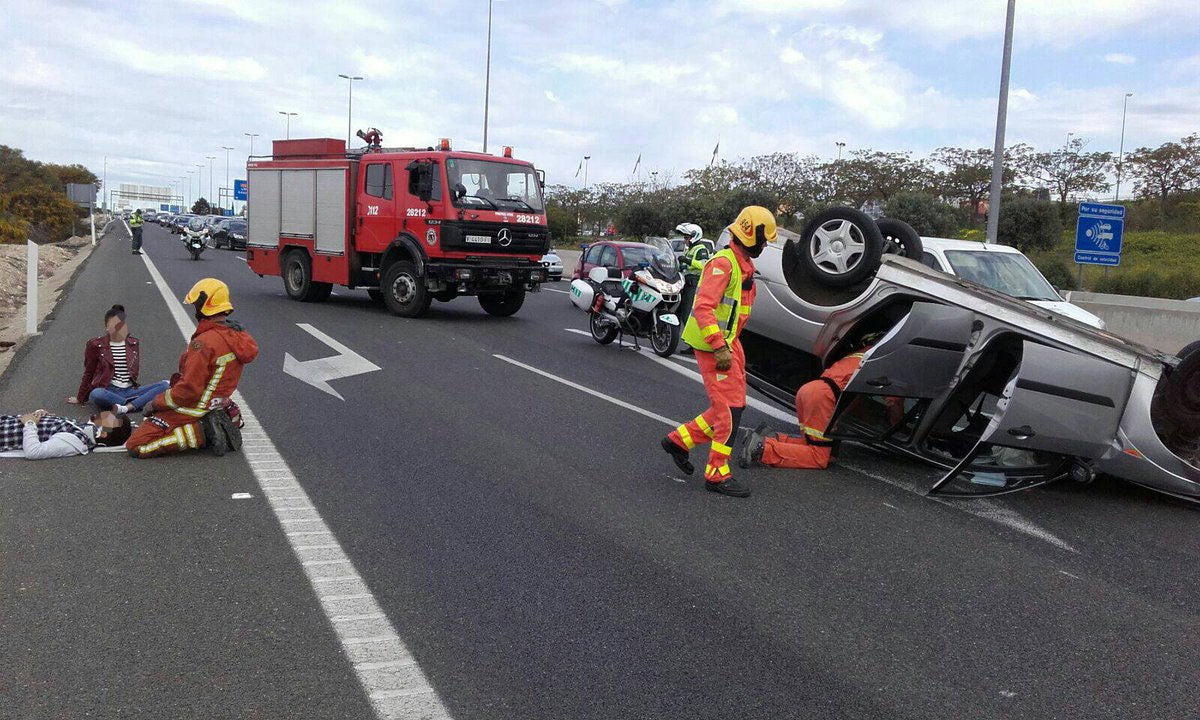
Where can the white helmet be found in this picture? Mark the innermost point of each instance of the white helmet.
(691, 231)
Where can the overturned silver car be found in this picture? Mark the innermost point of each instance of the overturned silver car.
(1001, 393)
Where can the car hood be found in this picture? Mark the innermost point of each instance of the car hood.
(1072, 311)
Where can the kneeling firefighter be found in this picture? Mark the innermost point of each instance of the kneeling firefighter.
(722, 307)
(196, 411)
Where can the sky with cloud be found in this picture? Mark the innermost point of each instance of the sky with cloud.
(159, 86)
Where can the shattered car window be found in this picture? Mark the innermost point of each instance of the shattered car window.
(1009, 273)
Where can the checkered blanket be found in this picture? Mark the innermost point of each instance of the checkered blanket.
(12, 431)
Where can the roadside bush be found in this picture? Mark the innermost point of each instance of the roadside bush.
(1179, 284)
(561, 222)
(1058, 273)
(13, 230)
(1028, 224)
(46, 209)
(641, 220)
(928, 215)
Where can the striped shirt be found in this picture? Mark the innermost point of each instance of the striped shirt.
(120, 376)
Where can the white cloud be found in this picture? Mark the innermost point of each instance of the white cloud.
(552, 97)
(1120, 59)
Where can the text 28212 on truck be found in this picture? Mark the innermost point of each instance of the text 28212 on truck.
(411, 225)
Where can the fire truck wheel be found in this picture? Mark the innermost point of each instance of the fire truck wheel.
(297, 279)
(502, 304)
(404, 291)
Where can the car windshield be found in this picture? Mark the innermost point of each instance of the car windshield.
(237, 227)
(1010, 273)
(494, 185)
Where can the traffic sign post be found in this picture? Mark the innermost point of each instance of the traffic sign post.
(1098, 234)
(239, 189)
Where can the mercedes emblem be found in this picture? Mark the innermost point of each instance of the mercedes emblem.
(503, 239)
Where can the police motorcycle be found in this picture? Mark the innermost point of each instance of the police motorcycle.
(642, 305)
(196, 235)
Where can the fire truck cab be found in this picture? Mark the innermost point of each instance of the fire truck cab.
(410, 225)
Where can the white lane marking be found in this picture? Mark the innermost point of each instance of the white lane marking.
(560, 292)
(765, 408)
(1064, 572)
(978, 507)
(319, 372)
(683, 358)
(891, 506)
(589, 391)
(240, 496)
(391, 694)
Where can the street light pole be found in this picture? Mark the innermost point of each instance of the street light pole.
(1121, 154)
(1001, 120)
(487, 78)
(585, 169)
(840, 145)
(190, 202)
(226, 148)
(104, 184)
(199, 180)
(251, 136)
(210, 179)
(289, 116)
(349, 105)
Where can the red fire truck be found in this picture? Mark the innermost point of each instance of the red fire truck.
(411, 225)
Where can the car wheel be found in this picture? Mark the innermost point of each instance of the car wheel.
(602, 332)
(297, 279)
(502, 304)
(840, 247)
(665, 339)
(404, 291)
(899, 238)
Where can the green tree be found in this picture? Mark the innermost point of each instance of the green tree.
(1028, 224)
(641, 219)
(874, 175)
(928, 215)
(47, 210)
(201, 207)
(1069, 170)
(1167, 169)
(562, 223)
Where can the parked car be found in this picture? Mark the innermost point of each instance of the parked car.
(1004, 395)
(553, 264)
(618, 254)
(1002, 268)
(230, 233)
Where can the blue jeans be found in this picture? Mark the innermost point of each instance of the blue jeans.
(135, 397)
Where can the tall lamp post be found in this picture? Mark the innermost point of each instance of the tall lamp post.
(199, 179)
(585, 169)
(1121, 154)
(289, 116)
(210, 179)
(190, 202)
(226, 148)
(349, 105)
(487, 78)
(251, 136)
(1001, 120)
(840, 145)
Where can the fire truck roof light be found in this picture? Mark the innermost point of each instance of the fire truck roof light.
(444, 144)
(507, 151)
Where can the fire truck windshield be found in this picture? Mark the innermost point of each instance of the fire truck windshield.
(493, 185)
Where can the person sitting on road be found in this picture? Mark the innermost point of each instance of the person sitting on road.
(815, 403)
(110, 369)
(43, 436)
(196, 411)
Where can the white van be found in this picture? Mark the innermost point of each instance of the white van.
(1001, 268)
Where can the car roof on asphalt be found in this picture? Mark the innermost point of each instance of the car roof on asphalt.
(936, 243)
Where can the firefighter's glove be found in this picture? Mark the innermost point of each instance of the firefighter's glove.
(724, 358)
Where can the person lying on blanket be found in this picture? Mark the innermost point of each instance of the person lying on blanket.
(43, 436)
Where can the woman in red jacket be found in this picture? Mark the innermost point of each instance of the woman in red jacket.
(110, 369)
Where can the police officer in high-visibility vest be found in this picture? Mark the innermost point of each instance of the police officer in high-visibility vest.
(722, 307)
(700, 249)
(135, 227)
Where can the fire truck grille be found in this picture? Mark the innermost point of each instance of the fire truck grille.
(498, 238)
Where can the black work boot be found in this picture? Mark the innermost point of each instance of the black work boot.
(729, 487)
(752, 442)
(679, 455)
(214, 434)
(233, 433)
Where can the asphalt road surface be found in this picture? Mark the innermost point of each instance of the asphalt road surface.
(497, 489)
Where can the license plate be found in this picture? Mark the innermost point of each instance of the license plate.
(479, 239)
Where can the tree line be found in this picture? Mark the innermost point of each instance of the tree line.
(33, 198)
(951, 186)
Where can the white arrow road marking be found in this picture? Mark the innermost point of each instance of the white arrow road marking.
(319, 372)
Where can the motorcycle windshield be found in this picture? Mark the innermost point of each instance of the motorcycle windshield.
(662, 262)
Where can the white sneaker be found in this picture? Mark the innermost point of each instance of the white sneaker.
(121, 409)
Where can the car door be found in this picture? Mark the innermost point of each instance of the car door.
(1059, 405)
(914, 363)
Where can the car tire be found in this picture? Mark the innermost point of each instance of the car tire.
(404, 291)
(297, 279)
(899, 238)
(503, 304)
(603, 334)
(840, 247)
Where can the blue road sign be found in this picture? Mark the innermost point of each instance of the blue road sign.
(163, 207)
(1098, 234)
(239, 189)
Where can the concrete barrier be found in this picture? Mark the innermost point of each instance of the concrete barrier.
(1167, 325)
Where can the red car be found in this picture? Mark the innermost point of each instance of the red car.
(627, 256)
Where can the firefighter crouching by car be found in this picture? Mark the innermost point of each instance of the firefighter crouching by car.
(196, 411)
(723, 301)
(815, 403)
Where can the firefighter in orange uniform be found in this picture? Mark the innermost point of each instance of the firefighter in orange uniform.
(815, 403)
(722, 307)
(196, 411)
